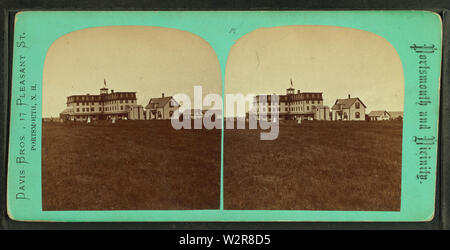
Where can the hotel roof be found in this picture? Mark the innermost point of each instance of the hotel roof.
(297, 96)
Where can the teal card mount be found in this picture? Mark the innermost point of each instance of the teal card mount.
(299, 116)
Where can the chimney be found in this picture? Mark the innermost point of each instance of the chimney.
(298, 91)
(112, 91)
(348, 96)
(162, 95)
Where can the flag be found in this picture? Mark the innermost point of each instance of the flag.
(292, 85)
(104, 81)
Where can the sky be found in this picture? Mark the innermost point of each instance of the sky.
(334, 60)
(142, 59)
(154, 60)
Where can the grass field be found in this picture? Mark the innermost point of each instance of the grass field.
(315, 166)
(146, 165)
(130, 165)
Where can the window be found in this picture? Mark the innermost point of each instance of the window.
(307, 102)
(357, 115)
(307, 107)
(92, 109)
(121, 107)
(357, 105)
(78, 110)
(83, 109)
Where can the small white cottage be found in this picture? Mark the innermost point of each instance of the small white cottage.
(350, 109)
(379, 115)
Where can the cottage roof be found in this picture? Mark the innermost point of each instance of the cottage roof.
(346, 103)
(158, 102)
(378, 113)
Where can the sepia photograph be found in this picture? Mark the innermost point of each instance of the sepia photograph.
(224, 116)
(340, 104)
(107, 138)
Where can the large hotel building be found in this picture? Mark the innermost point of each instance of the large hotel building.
(293, 106)
(106, 105)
